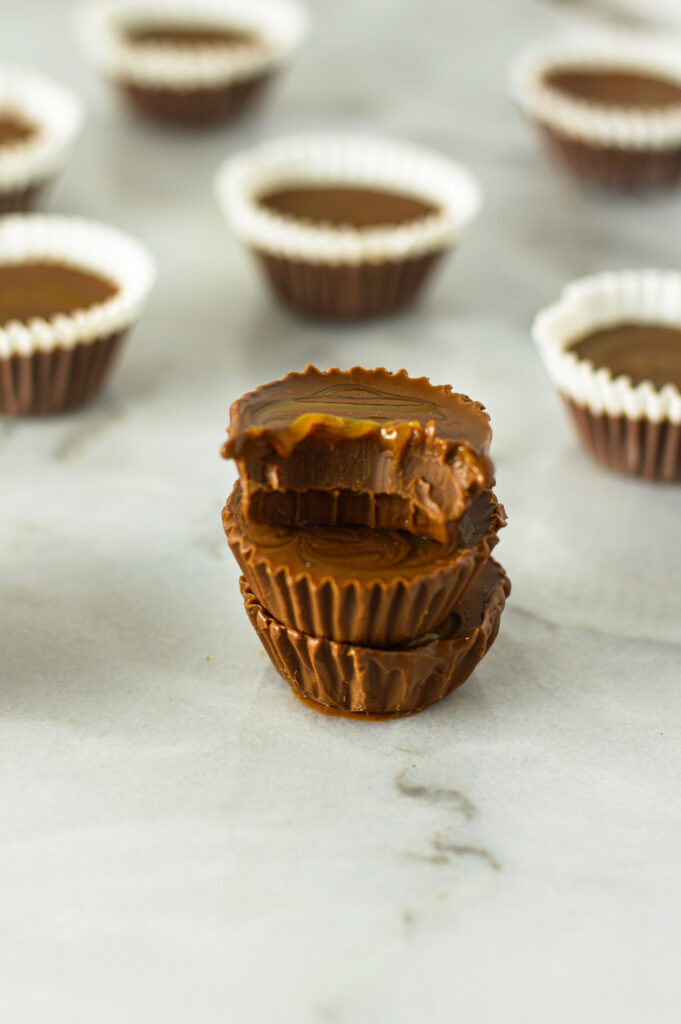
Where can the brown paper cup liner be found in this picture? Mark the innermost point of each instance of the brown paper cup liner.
(199, 106)
(638, 447)
(612, 167)
(23, 199)
(380, 612)
(57, 380)
(348, 291)
(366, 681)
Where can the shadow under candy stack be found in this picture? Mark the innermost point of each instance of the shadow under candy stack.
(363, 522)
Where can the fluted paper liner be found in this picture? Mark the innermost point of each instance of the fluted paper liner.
(613, 146)
(632, 429)
(51, 365)
(387, 682)
(27, 166)
(191, 84)
(341, 271)
(383, 611)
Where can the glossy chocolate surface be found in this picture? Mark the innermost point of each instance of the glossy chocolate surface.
(189, 35)
(14, 129)
(616, 87)
(643, 352)
(46, 289)
(344, 405)
(352, 206)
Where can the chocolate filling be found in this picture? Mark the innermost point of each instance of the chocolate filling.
(360, 553)
(14, 128)
(615, 88)
(46, 289)
(190, 36)
(643, 352)
(351, 206)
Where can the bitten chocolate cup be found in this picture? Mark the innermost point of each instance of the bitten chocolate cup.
(191, 62)
(377, 588)
(39, 121)
(360, 447)
(609, 106)
(386, 682)
(346, 226)
(612, 348)
(70, 290)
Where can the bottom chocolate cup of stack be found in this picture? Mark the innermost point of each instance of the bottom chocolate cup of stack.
(368, 682)
(359, 585)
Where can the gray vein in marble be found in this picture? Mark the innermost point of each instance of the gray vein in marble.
(90, 429)
(434, 794)
(590, 630)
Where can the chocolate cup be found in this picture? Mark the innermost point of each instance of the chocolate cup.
(360, 447)
(57, 380)
(366, 681)
(196, 107)
(23, 199)
(640, 448)
(340, 291)
(398, 602)
(613, 167)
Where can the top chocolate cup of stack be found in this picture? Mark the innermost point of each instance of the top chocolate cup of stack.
(360, 447)
(609, 106)
(191, 62)
(39, 121)
(346, 226)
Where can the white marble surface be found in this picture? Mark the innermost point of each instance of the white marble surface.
(180, 840)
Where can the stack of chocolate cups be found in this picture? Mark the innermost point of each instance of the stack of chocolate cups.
(363, 522)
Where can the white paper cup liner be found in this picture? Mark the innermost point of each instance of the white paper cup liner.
(57, 114)
(345, 160)
(590, 122)
(599, 302)
(84, 245)
(281, 24)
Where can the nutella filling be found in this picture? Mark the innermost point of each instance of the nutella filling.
(360, 553)
(46, 289)
(347, 206)
(190, 35)
(14, 128)
(616, 87)
(643, 352)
